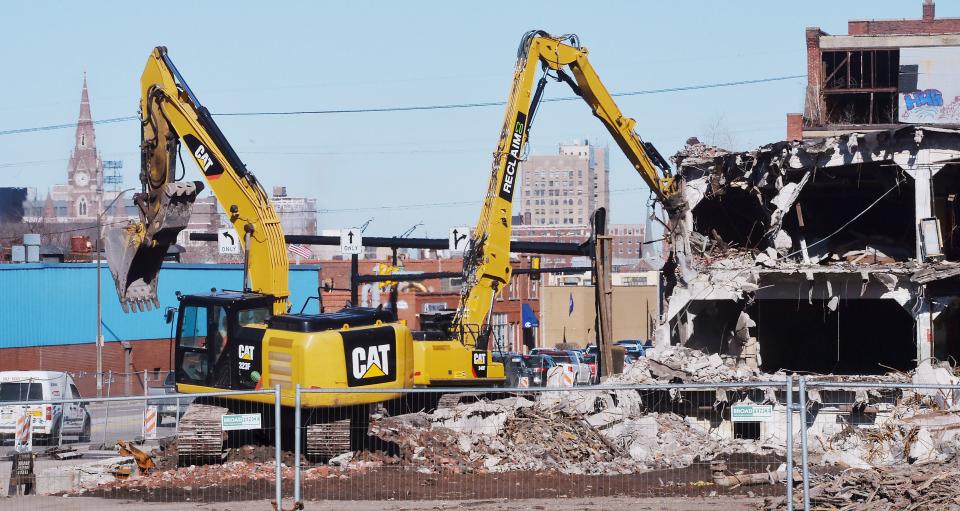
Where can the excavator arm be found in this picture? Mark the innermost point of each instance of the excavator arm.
(486, 263)
(171, 114)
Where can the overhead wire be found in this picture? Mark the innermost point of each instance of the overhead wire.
(412, 108)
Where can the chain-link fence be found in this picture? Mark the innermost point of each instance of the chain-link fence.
(879, 445)
(213, 447)
(637, 441)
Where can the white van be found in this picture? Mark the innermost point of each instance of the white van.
(50, 422)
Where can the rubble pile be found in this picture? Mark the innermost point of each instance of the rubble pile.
(694, 151)
(663, 364)
(196, 477)
(921, 427)
(902, 487)
(574, 432)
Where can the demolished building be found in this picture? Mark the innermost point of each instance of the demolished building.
(834, 251)
(832, 255)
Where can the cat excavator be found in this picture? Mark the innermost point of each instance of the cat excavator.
(465, 334)
(247, 339)
(242, 340)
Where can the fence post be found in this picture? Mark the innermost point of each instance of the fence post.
(276, 441)
(803, 443)
(296, 447)
(106, 413)
(790, 442)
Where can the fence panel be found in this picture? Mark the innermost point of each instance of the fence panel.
(147, 448)
(883, 444)
(642, 441)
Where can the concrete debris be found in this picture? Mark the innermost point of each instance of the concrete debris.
(577, 432)
(669, 363)
(695, 151)
(926, 373)
(904, 487)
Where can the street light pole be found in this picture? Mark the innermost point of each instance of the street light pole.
(100, 292)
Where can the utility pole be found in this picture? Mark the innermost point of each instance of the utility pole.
(100, 291)
(603, 292)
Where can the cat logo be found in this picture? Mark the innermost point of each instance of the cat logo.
(205, 159)
(246, 352)
(479, 364)
(372, 362)
(246, 357)
(371, 356)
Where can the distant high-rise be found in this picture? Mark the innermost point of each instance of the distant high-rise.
(565, 189)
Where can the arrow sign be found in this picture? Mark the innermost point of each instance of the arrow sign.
(351, 242)
(228, 241)
(458, 239)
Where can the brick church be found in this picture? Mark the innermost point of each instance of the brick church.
(83, 195)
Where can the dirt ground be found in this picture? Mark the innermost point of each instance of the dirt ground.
(580, 504)
(405, 484)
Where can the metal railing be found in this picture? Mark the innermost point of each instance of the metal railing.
(712, 442)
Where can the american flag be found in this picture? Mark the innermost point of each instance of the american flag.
(300, 250)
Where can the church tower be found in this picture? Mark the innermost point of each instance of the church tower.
(85, 169)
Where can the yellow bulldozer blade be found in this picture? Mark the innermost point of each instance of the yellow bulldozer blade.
(135, 251)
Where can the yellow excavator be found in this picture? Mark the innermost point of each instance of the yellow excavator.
(245, 340)
(455, 351)
(240, 340)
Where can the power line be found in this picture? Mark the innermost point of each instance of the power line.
(450, 106)
(501, 103)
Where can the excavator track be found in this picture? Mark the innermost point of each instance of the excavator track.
(328, 440)
(199, 437)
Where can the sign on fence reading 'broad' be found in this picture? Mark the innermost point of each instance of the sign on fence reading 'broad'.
(233, 422)
(751, 413)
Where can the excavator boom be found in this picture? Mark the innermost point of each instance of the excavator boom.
(171, 114)
(486, 263)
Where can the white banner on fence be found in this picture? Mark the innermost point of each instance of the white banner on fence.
(233, 422)
(751, 413)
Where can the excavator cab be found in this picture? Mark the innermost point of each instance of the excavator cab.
(219, 339)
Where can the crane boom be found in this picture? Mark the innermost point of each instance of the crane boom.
(487, 266)
(171, 114)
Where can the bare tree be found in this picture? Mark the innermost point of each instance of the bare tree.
(716, 132)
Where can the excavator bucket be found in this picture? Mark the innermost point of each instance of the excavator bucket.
(135, 251)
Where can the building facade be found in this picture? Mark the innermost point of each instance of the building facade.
(564, 189)
(880, 75)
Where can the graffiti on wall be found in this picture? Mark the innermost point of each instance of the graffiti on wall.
(929, 87)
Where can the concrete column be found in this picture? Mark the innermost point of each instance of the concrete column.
(924, 319)
(922, 172)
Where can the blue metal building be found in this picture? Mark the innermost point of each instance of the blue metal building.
(45, 304)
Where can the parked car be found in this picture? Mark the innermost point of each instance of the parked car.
(536, 368)
(631, 345)
(168, 407)
(571, 361)
(50, 422)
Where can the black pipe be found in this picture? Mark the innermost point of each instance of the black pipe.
(527, 247)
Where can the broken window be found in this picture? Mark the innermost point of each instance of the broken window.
(862, 336)
(946, 207)
(860, 86)
(862, 213)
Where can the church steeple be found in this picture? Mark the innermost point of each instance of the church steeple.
(86, 138)
(85, 169)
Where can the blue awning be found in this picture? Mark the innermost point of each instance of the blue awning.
(528, 316)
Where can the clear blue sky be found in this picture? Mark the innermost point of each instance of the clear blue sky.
(254, 56)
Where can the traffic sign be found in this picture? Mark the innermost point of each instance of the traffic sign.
(459, 238)
(351, 242)
(229, 241)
